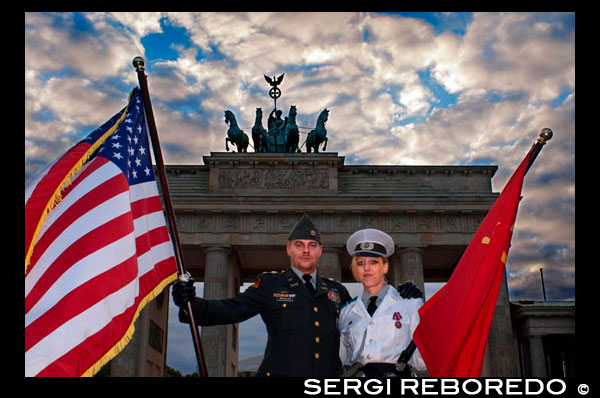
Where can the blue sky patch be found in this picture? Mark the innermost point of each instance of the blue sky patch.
(442, 22)
(498, 96)
(443, 97)
(43, 115)
(560, 99)
(160, 46)
(481, 161)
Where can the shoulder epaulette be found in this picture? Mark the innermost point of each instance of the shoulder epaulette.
(262, 275)
(268, 273)
(333, 280)
(348, 302)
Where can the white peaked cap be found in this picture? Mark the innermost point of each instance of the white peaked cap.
(370, 243)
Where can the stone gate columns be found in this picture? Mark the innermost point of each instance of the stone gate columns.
(329, 264)
(407, 264)
(146, 352)
(538, 359)
(220, 343)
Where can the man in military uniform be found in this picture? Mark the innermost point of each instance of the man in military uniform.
(300, 310)
(303, 338)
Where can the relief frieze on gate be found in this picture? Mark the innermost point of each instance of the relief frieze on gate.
(272, 179)
(332, 222)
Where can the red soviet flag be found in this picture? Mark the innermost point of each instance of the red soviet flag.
(455, 322)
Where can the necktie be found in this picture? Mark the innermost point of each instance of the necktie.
(309, 286)
(372, 306)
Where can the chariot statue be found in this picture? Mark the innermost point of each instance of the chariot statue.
(281, 135)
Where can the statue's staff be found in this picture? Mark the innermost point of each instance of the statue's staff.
(274, 92)
(138, 63)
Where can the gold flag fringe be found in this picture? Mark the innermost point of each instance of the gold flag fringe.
(114, 351)
(56, 197)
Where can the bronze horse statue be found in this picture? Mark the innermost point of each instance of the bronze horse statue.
(235, 135)
(259, 134)
(293, 135)
(318, 135)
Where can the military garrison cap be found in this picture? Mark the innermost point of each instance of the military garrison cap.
(370, 243)
(305, 229)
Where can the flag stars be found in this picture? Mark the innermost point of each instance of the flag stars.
(128, 146)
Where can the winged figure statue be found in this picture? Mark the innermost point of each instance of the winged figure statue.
(274, 81)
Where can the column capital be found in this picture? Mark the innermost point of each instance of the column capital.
(413, 249)
(224, 249)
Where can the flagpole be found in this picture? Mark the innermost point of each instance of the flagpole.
(138, 63)
(545, 135)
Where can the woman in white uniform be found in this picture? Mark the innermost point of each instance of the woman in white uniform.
(377, 327)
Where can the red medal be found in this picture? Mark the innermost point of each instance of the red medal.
(398, 325)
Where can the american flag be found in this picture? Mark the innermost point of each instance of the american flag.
(97, 248)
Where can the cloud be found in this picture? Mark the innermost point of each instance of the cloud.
(86, 46)
(513, 52)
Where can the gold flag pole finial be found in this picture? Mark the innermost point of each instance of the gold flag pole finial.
(138, 63)
(545, 135)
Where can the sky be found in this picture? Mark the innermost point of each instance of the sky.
(402, 89)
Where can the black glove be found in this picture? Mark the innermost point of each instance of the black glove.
(183, 292)
(409, 290)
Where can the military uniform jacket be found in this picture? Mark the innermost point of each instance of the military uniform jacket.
(383, 337)
(303, 334)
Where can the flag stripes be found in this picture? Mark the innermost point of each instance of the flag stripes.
(42, 195)
(103, 252)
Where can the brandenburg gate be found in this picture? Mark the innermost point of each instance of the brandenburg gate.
(235, 211)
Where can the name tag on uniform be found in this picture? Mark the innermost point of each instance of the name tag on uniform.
(285, 297)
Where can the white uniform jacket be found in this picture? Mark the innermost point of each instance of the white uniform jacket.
(383, 337)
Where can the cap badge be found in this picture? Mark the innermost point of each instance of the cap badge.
(313, 232)
(367, 245)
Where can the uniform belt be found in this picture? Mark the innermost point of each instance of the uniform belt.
(374, 370)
